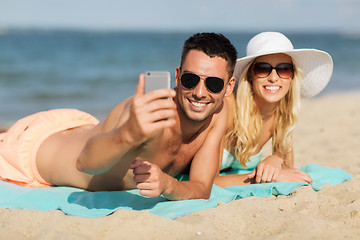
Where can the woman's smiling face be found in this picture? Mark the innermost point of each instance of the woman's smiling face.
(270, 89)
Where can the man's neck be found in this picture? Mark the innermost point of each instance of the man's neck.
(189, 129)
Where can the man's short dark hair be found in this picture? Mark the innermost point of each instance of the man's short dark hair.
(213, 45)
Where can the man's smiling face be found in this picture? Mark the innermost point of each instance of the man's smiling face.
(199, 103)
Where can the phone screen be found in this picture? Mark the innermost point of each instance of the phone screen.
(156, 80)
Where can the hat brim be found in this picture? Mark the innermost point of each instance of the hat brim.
(316, 68)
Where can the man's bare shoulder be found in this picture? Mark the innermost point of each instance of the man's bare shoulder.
(220, 118)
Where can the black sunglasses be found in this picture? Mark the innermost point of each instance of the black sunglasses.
(191, 80)
(283, 70)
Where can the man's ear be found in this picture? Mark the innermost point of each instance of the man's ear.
(230, 86)
(177, 76)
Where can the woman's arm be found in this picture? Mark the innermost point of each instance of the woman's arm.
(267, 171)
(274, 168)
(233, 180)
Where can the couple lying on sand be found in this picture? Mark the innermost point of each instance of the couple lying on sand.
(219, 116)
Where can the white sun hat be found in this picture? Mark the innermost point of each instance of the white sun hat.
(316, 66)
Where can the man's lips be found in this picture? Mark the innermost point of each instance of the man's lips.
(198, 105)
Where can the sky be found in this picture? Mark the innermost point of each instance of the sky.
(183, 15)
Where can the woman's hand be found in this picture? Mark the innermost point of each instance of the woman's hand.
(268, 169)
(293, 175)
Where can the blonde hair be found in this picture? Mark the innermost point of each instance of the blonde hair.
(243, 139)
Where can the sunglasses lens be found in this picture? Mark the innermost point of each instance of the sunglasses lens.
(262, 69)
(189, 80)
(285, 70)
(214, 84)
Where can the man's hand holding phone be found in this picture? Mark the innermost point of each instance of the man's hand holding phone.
(156, 80)
(151, 112)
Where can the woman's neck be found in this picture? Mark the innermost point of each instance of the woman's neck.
(266, 109)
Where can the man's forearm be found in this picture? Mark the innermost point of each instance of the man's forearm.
(183, 190)
(103, 151)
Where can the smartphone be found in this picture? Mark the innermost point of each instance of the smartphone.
(156, 80)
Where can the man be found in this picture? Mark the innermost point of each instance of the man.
(148, 139)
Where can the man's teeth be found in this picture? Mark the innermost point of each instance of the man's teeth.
(272, 88)
(197, 104)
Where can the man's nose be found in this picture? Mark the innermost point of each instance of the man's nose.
(200, 90)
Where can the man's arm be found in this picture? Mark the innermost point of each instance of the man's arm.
(202, 172)
(205, 163)
(153, 182)
(143, 117)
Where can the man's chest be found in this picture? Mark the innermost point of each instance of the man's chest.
(172, 154)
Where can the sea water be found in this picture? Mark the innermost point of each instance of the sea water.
(94, 71)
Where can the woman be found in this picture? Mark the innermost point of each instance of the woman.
(265, 103)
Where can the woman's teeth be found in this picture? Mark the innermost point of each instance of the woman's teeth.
(272, 88)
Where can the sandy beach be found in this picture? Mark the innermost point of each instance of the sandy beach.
(328, 134)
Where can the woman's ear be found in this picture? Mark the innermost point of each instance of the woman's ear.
(230, 86)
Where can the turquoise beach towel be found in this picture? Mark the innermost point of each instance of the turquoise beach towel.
(78, 202)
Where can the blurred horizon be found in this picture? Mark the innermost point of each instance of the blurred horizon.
(94, 71)
(34, 30)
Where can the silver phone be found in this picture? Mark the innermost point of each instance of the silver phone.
(156, 80)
